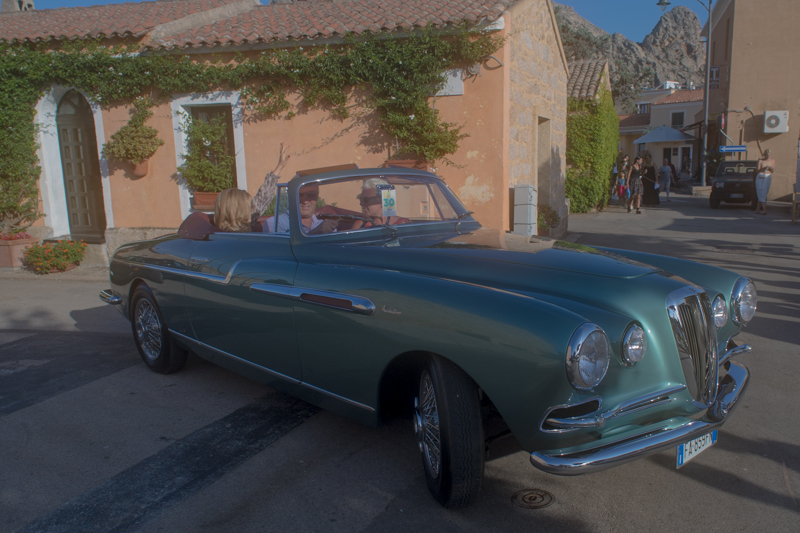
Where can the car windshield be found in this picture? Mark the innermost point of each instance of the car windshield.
(736, 169)
(372, 201)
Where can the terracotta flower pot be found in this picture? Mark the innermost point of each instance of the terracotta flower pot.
(11, 252)
(542, 232)
(205, 200)
(142, 168)
(69, 267)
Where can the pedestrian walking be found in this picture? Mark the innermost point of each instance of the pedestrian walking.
(634, 184)
(650, 183)
(622, 177)
(766, 166)
(665, 175)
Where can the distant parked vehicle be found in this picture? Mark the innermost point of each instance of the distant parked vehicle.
(734, 183)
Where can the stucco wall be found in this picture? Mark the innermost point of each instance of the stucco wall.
(661, 115)
(500, 111)
(537, 94)
(765, 76)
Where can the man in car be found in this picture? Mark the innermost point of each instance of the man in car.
(309, 223)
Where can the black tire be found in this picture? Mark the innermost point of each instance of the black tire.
(150, 332)
(754, 204)
(714, 202)
(448, 395)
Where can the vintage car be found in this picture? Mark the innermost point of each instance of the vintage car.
(490, 342)
(734, 182)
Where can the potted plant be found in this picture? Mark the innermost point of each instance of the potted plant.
(547, 218)
(19, 204)
(12, 248)
(135, 142)
(208, 169)
(59, 257)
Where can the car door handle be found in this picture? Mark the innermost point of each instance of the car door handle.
(200, 259)
(337, 300)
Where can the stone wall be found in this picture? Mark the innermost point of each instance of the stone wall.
(537, 105)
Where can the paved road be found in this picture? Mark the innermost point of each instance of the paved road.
(93, 441)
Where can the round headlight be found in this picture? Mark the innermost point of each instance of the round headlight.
(744, 301)
(634, 345)
(720, 311)
(587, 357)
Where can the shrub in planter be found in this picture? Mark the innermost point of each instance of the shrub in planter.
(12, 248)
(44, 258)
(208, 167)
(134, 142)
(547, 218)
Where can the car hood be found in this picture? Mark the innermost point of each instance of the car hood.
(496, 246)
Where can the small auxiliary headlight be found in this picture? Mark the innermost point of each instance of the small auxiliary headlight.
(634, 345)
(720, 311)
(588, 355)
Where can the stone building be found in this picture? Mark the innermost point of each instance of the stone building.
(512, 106)
(754, 83)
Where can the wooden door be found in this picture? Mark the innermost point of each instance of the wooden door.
(81, 168)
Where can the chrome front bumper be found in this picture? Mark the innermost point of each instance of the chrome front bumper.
(109, 297)
(615, 451)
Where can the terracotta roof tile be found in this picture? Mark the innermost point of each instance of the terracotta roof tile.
(311, 20)
(585, 78)
(633, 121)
(115, 20)
(681, 97)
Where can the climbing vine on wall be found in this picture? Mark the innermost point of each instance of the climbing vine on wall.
(401, 75)
(592, 141)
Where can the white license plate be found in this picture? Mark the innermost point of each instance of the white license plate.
(737, 195)
(691, 449)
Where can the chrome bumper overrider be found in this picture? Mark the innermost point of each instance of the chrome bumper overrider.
(109, 297)
(615, 451)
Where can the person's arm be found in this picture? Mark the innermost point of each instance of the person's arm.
(266, 193)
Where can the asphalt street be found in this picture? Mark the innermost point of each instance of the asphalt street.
(90, 440)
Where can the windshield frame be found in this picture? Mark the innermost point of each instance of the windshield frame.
(378, 232)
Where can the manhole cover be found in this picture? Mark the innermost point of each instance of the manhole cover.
(533, 498)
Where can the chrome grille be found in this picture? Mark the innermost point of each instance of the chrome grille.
(689, 312)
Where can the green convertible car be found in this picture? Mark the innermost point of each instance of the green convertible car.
(373, 293)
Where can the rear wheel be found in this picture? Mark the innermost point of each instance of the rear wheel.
(450, 434)
(158, 350)
(754, 203)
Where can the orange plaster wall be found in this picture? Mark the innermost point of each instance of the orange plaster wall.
(318, 139)
(152, 200)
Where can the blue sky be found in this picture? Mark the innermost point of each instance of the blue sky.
(632, 18)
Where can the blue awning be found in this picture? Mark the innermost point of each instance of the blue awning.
(664, 134)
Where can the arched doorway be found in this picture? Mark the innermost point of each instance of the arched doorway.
(81, 168)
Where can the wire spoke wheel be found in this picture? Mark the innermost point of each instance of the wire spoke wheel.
(428, 432)
(148, 329)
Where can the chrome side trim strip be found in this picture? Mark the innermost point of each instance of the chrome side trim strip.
(359, 305)
(109, 297)
(744, 348)
(625, 408)
(234, 357)
(222, 280)
(337, 397)
(260, 368)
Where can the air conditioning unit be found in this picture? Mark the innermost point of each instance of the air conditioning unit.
(776, 122)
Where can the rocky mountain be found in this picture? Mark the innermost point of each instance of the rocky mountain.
(673, 50)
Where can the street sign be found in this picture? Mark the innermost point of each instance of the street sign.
(732, 149)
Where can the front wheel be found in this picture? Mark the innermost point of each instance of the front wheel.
(152, 337)
(714, 202)
(449, 428)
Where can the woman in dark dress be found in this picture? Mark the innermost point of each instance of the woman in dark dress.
(649, 181)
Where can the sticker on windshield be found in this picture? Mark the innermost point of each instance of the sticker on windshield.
(389, 197)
